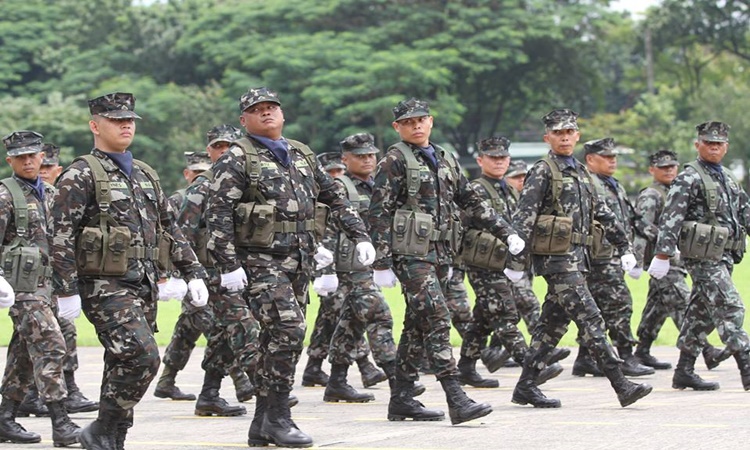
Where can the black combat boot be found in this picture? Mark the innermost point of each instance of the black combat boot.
(585, 364)
(313, 374)
(32, 404)
(209, 403)
(418, 389)
(494, 358)
(685, 376)
(548, 373)
(278, 426)
(643, 353)
(254, 439)
(712, 356)
(627, 391)
(243, 387)
(631, 366)
(743, 363)
(460, 407)
(467, 374)
(10, 430)
(293, 400)
(402, 405)
(558, 354)
(165, 387)
(371, 375)
(527, 392)
(99, 434)
(338, 390)
(76, 401)
(64, 431)
(121, 433)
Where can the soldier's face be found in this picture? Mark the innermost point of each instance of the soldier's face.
(217, 149)
(516, 182)
(26, 166)
(50, 172)
(711, 151)
(335, 173)
(112, 135)
(663, 175)
(361, 166)
(602, 164)
(493, 166)
(562, 142)
(415, 130)
(191, 174)
(264, 119)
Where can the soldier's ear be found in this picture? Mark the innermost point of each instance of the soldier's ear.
(94, 127)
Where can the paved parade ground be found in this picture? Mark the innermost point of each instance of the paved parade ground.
(590, 417)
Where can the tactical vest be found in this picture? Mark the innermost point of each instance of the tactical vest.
(346, 255)
(200, 246)
(255, 223)
(22, 262)
(604, 251)
(103, 247)
(412, 230)
(480, 248)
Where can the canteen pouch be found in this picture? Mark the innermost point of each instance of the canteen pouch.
(321, 220)
(253, 225)
(93, 258)
(410, 233)
(483, 250)
(601, 248)
(702, 241)
(23, 267)
(165, 245)
(552, 235)
(201, 249)
(346, 256)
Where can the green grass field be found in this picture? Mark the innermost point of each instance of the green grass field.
(168, 312)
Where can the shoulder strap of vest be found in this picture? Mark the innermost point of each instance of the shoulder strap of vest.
(494, 195)
(150, 173)
(556, 186)
(351, 190)
(20, 206)
(101, 183)
(711, 194)
(413, 181)
(306, 152)
(252, 168)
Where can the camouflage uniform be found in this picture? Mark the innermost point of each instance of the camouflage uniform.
(457, 301)
(527, 303)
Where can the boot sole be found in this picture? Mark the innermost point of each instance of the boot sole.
(486, 385)
(696, 388)
(553, 374)
(75, 440)
(90, 408)
(373, 382)
(347, 400)
(258, 442)
(637, 374)
(287, 445)
(524, 402)
(188, 398)
(400, 417)
(21, 441)
(219, 414)
(562, 354)
(312, 384)
(479, 414)
(583, 373)
(647, 390)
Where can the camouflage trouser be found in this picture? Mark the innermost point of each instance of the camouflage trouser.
(714, 302)
(494, 312)
(607, 285)
(426, 322)
(35, 353)
(277, 296)
(131, 356)
(329, 312)
(70, 334)
(667, 297)
(527, 303)
(568, 298)
(233, 336)
(364, 309)
(457, 301)
(191, 323)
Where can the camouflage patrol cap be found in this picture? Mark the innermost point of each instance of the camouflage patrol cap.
(222, 133)
(258, 95)
(516, 168)
(331, 161)
(359, 144)
(51, 154)
(118, 105)
(197, 161)
(23, 142)
(407, 109)
(561, 119)
(603, 147)
(494, 146)
(663, 158)
(713, 132)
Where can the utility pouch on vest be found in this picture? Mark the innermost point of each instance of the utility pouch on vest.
(321, 220)
(702, 241)
(483, 250)
(253, 225)
(200, 246)
(346, 256)
(552, 235)
(103, 254)
(456, 235)
(411, 233)
(165, 245)
(601, 248)
(23, 267)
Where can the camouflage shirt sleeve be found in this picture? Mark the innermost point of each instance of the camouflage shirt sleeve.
(680, 197)
(346, 216)
(183, 257)
(649, 205)
(533, 197)
(389, 181)
(480, 211)
(230, 181)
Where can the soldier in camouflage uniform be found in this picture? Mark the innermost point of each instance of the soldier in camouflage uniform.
(441, 189)
(571, 200)
(606, 279)
(274, 256)
(669, 296)
(37, 346)
(704, 195)
(122, 308)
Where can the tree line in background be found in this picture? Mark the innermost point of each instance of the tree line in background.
(487, 67)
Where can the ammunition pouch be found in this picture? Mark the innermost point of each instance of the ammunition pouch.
(704, 241)
(456, 235)
(411, 233)
(553, 235)
(100, 253)
(483, 250)
(23, 267)
(322, 212)
(200, 246)
(254, 225)
(165, 245)
(346, 256)
(601, 248)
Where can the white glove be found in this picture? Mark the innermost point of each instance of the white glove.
(384, 278)
(515, 244)
(514, 275)
(365, 253)
(7, 296)
(198, 293)
(172, 288)
(628, 261)
(635, 272)
(326, 284)
(324, 257)
(69, 307)
(235, 280)
(450, 272)
(658, 268)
